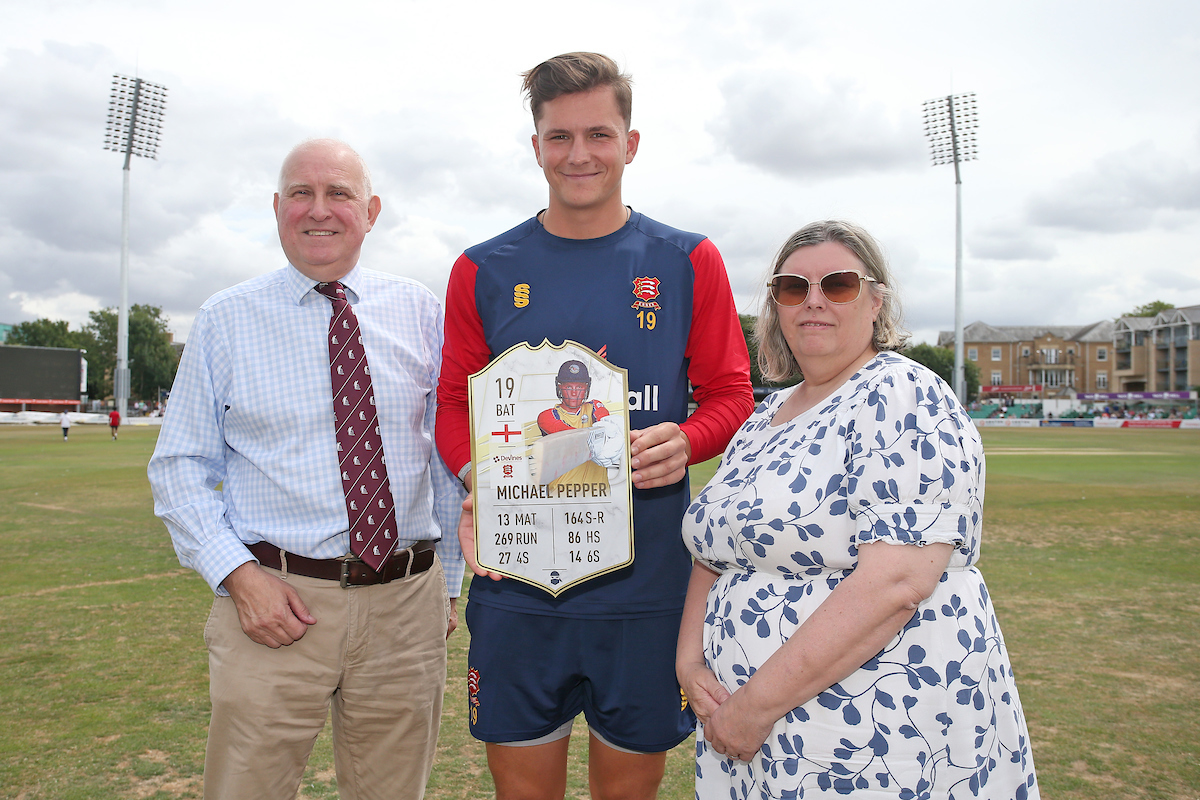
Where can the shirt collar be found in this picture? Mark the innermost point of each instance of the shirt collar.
(299, 285)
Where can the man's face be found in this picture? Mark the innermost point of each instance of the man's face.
(582, 146)
(573, 395)
(322, 211)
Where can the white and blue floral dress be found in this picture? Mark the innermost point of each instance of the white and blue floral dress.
(891, 456)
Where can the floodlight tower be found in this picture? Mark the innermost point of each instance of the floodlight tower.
(950, 124)
(135, 112)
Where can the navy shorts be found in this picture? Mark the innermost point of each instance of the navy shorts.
(529, 674)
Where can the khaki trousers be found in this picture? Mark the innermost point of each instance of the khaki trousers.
(377, 652)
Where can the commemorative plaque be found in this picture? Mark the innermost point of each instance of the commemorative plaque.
(550, 448)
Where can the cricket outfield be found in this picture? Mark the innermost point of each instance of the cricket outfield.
(1091, 551)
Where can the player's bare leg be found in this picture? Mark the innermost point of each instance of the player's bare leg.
(537, 772)
(616, 775)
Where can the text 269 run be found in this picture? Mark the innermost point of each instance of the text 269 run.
(520, 537)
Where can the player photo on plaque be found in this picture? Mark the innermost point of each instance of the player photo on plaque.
(550, 448)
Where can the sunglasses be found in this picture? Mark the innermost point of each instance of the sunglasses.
(837, 287)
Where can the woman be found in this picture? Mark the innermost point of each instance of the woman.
(836, 637)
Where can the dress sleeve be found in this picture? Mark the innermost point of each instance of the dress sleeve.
(718, 363)
(914, 461)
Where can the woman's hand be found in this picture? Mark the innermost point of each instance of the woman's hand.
(736, 729)
(699, 683)
(704, 692)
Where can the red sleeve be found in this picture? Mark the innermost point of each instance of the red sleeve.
(464, 352)
(719, 365)
(549, 423)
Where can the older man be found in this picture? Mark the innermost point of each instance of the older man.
(296, 473)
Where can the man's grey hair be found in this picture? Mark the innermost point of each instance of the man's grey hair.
(332, 143)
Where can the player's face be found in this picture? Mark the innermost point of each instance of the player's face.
(583, 146)
(322, 212)
(573, 395)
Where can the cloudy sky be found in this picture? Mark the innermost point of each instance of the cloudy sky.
(756, 117)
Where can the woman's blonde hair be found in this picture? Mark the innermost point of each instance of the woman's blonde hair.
(775, 358)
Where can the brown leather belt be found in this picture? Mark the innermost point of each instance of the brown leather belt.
(350, 571)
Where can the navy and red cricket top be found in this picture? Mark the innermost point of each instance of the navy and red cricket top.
(649, 298)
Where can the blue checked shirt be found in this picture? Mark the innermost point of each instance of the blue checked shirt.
(248, 451)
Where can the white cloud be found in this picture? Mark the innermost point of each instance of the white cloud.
(70, 306)
(1011, 242)
(756, 119)
(1123, 191)
(784, 124)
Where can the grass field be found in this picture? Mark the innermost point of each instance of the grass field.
(1091, 551)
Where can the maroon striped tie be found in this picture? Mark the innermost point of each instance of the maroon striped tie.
(360, 448)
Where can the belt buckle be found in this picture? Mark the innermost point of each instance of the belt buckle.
(346, 562)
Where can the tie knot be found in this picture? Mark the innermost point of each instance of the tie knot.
(334, 291)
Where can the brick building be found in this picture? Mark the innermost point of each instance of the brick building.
(1133, 354)
(1159, 353)
(1059, 358)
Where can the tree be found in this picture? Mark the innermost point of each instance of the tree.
(941, 361)
(1150, 309)
(152, 360)
(42, 333)
(45, 332)
(747, 321)
(756, 379)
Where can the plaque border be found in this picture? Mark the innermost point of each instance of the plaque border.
(477, 445)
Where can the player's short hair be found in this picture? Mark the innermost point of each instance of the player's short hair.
(577, 72)
(775, 358)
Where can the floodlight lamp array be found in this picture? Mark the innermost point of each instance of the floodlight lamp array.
(135, 114)
(950, 126)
